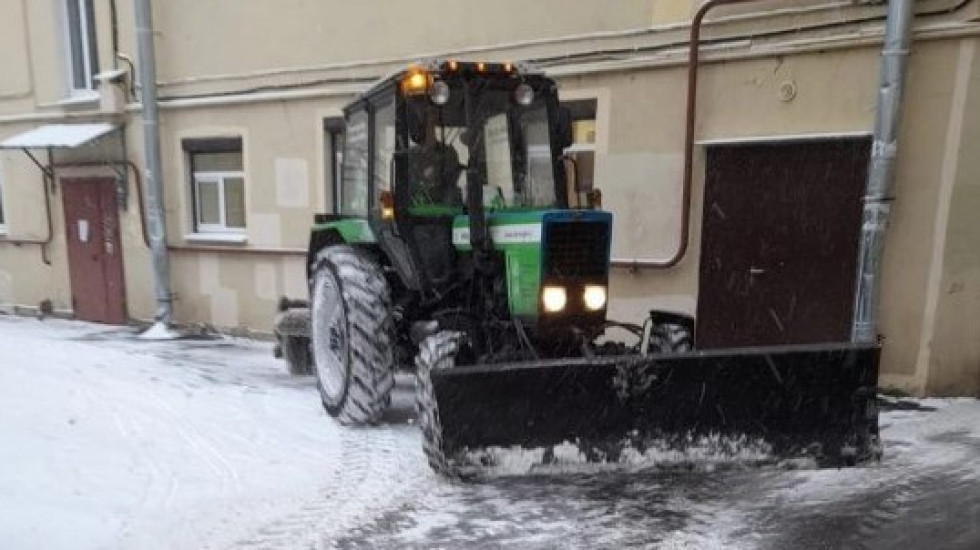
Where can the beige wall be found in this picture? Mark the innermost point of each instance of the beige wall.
(195, 40)
(297, 51)
(285, 182)
(952, 336)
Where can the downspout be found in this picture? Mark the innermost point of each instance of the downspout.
(881, 169)
(691, 117)
(156, 223)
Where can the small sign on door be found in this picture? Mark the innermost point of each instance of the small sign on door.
(83, 231)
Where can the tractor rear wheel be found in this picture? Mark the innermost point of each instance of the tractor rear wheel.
(352, 335)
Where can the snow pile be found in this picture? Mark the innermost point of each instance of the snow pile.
(159, 331)
(691, 453)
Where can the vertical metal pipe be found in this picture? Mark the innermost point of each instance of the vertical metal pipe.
(154, 174)
(881, 169)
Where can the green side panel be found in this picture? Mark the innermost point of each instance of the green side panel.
(512, 217)
(523, 278)
(353, 230)
(518, 235)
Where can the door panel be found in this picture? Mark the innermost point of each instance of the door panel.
(95, 264)
(779, 246)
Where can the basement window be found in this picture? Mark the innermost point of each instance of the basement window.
(83, 59)
(217, 185)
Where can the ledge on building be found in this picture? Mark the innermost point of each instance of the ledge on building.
(217, 238)
(76, 100)
(40, 311)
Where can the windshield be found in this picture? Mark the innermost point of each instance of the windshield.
(506, 145)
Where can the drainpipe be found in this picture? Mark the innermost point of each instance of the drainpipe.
(881, 169)
(156, 223)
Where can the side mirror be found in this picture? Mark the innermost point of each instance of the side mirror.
(570, 168)
(594, 198)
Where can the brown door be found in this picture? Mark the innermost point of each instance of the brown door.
(779, 245)
(95, 264)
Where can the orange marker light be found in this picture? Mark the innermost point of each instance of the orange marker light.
(387, 205)
(415, 83)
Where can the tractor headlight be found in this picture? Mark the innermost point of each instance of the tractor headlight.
(554, 298)
(594, 297)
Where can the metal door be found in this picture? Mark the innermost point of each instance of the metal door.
(779, 244)
(95, 265)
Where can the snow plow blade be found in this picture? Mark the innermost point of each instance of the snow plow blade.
(760, 405)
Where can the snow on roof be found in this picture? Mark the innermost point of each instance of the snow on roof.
(57, 135)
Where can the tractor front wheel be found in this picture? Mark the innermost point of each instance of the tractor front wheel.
(351, 329)
(435, 353)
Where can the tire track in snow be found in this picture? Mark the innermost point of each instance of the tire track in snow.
(874, 507)
(371, 475)
(161, 483)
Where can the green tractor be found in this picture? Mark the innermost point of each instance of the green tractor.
(461, 249)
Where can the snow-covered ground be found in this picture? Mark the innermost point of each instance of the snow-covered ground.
(110, 441)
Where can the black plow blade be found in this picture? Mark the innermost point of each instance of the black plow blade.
(750, 405)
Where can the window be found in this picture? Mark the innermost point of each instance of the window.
(333, 158)
(384, 140)
(354, 187)
(218, 185)
(582, 150)
(508, 146)
(83, 59)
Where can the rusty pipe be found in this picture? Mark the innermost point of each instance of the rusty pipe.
(42, 243)
(691, 114)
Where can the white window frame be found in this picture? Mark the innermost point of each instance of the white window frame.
(220, 179)
(89, 47)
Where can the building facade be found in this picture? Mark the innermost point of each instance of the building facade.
(250, 107)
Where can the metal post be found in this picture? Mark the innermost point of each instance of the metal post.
(154, 175)
(881, 169)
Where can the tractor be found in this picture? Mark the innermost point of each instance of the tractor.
(461, 249)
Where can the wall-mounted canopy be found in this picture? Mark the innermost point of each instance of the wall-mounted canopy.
(57, 136)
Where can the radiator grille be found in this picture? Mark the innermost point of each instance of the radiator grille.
(576, 250)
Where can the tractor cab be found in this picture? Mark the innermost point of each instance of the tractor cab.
(446, 142)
